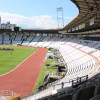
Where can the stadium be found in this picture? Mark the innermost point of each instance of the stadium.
(70, 57)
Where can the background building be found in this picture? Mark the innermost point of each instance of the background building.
(8, 26)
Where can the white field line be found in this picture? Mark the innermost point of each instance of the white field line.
(20, 63)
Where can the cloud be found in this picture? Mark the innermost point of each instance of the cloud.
(68, 18)
(44, 22)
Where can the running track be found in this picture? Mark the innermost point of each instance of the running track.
(23, 78)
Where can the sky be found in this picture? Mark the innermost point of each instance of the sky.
(36, 14)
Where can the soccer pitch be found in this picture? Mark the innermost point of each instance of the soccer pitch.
(11, 59)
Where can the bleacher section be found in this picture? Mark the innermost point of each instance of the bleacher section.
(6, 39)
(34, 41)
(16, 39)
(0, 38)
(81, 57)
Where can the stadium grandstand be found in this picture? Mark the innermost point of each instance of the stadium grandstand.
(77, 47)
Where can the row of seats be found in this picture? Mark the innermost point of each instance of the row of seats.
(90, 90)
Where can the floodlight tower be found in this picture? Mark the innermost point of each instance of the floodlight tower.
(60, 18)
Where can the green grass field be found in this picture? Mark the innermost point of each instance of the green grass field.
(9, 61)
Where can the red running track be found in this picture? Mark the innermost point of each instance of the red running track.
(23, 78)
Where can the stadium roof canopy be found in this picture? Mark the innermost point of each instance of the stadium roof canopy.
(41, 30)
(89, 13)
(5, 30)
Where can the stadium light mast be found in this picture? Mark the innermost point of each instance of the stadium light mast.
(60, 18)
